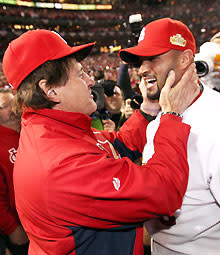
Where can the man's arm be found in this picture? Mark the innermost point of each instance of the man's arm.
(9, 222)
(8, 219)
(110, 192)
(119, 191)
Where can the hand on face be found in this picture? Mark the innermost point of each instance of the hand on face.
(153, 72)
(178, 98)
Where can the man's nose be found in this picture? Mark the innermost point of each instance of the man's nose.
(90, 81)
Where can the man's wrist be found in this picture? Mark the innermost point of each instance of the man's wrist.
(172, 113)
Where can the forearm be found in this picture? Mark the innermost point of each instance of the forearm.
(133, 132)
(108, 191)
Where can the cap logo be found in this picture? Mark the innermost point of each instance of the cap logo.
(10, 86)
(178, 40)
(142, 35)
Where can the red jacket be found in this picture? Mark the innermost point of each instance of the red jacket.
(8, 215)
(74, 193)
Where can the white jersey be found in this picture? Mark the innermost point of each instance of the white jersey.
(197, 229)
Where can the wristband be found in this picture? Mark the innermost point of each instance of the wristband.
(173, 113)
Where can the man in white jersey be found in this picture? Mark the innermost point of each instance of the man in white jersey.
(167, 44)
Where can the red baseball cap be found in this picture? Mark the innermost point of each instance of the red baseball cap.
(32, 49)
(158, 37)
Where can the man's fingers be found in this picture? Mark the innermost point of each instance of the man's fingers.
(180, 96)
(142, 88)
(170, 80)
(190, 74)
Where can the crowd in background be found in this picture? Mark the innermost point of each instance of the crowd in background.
(107, 28)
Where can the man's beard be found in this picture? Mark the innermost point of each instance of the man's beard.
(154, 96)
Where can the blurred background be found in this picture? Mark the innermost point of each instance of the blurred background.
(104, 21)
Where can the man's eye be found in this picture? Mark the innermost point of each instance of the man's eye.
(3, 107)
(152, 58)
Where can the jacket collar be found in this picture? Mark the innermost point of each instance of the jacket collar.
(75, 119)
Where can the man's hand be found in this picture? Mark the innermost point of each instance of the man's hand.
(109, 125)
(18, 236)
(128, 110)
(178, 98)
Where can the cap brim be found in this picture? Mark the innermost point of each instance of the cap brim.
(83, 51)
(80, 52)
(132, 55)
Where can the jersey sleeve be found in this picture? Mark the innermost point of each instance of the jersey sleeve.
(129, 141)
(106, 192)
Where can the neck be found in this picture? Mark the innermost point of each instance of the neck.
(200, 92)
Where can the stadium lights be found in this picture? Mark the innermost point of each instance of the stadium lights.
(64, 6)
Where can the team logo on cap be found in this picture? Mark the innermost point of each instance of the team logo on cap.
(178, 40)
(142, 35)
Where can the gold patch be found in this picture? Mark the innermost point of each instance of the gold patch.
(178, 40)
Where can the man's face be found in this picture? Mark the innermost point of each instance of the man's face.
(114, 103)
(75, 95)
(7, 117)
(154, 71)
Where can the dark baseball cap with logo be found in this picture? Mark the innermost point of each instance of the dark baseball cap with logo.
(158, 37)
(32, 49)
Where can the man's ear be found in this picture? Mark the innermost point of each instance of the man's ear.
(186, 58)
(50, 92)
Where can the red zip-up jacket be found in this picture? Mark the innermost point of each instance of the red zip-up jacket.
(76, 195)
(8, 148)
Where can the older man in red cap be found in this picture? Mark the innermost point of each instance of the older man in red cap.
(165, 45)
(74, 193)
